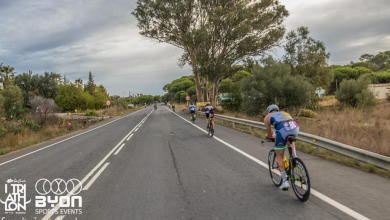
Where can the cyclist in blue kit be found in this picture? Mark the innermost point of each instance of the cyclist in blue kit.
(285, 126)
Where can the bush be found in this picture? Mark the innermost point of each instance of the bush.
(33, 125)
(273, 83)
(307, 113)
(13, 102)
(383, 77)
(355, 93)
(360, 64)
(91, 113)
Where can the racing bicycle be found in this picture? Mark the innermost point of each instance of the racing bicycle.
(210, 128)
(193, 117)
(296, 171)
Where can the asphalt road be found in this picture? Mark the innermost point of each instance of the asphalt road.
(156, 165)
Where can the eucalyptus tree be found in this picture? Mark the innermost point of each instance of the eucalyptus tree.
(214, 34)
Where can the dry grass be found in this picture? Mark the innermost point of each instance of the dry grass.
(26, 137)
(368, 130)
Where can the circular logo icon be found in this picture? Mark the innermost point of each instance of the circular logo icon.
(57, 186)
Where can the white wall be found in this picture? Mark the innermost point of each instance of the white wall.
(380, 90)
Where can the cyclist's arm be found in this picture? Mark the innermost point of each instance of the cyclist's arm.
(267, 122)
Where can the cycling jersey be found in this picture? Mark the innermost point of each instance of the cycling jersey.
(284, 125)
(209, 109)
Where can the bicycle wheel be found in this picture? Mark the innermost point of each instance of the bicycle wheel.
(211, 129)
(300, 180)
(274, 168)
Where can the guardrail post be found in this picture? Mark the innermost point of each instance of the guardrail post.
(222, 121)
(250, 129)
(319, 149)
(234, 125)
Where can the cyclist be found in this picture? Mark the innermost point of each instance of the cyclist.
(209, 114)
(173, 107)
(169, 105)
(285, 126)
(192, 110)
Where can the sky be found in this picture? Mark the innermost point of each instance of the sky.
(73, 37)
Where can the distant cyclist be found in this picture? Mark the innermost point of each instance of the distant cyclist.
(285, 126)
(192, 110)
(209, 114)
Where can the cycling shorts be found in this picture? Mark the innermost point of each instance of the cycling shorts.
(209, 114)
(192, 111)
(280, 141)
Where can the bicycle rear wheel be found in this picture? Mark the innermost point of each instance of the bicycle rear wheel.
(300, 180)
(274, 168)
(211, 129)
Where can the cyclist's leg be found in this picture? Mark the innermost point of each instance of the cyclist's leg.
(280, 146)
(212, 120)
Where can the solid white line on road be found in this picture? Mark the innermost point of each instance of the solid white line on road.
(60, 217)
(96, 176)
(65, 139)
(119, 149)
(314, 192)
(53, 210)
(129, 137)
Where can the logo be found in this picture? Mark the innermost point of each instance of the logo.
(16, 200)
(58, 186)
(58, 196)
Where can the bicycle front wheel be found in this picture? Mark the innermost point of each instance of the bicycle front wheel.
(274, 168)
(300, 180)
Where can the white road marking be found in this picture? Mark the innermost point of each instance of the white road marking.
(136, 130)
(129, 137)
(119, 149)
(314, 192)
(53, 210)
(96, 176)
(66, 139)
(60, 217)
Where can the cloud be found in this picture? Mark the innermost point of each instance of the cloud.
(349, 28)
(73, 37)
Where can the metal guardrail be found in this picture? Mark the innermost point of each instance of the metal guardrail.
(344, 149)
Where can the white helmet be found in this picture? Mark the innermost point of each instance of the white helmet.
(271, 108)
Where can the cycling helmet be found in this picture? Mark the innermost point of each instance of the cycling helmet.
(271, 108)
(207, 104)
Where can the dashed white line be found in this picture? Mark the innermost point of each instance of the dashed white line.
(53, 210)
(119, 149)
(96, 176)
(314, 192)
(65, 139)
(129, 137)
(136, 130)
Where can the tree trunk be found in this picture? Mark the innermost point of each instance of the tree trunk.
(213, 92)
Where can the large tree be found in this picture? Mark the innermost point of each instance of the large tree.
(308, 57)
(213, 34)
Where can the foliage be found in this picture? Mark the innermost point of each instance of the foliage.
(70, 97)
(355, 93)
(360, 64)
(233, 95)
(32, 124)
(308, 113)
(212, 36)
(91, 113)
(274, 83)
(13, 101)
(90, 86)
(308, 57)
(148, 99)
(45, 85)
(382, 77)
(7, 75)
(178, 87)
(42, 107)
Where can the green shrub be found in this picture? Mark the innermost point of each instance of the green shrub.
(307, 113)
(355, 93)
(33, 125)
(91, 113)
(383, 77)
